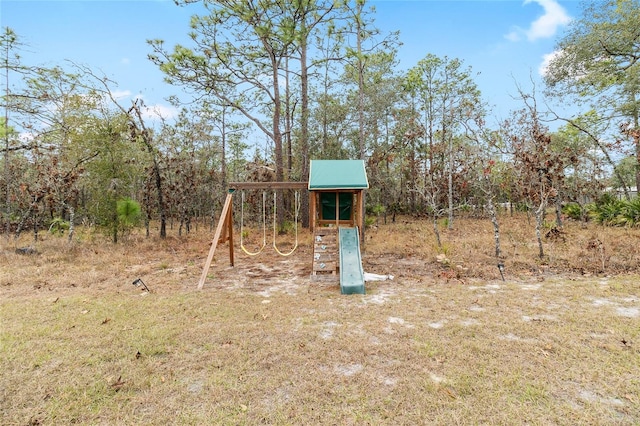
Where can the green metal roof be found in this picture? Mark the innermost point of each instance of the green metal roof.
(337, 174)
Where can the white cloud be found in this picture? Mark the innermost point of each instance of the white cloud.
(546, 26)
(149, 112)
(574, 71)
(121, 94)
(155, 112)
(546, 60)
(555, 16)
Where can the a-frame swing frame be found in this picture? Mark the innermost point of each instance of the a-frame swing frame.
(224, 229)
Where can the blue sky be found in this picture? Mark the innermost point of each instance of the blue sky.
(504, 40)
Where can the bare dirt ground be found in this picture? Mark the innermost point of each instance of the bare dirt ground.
(446, 341)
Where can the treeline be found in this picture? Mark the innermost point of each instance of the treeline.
(316, 80)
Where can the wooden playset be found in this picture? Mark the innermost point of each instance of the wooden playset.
(336, 214)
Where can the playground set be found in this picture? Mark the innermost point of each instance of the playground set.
(336, 215)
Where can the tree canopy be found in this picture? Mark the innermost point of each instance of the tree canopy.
(314, 79)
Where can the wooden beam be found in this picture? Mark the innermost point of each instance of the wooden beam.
(229, 221)
(361, 217)
(268, 185)
(312, 210)
(225, 217)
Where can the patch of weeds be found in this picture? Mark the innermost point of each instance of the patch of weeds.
(427, 348)
(534, 393)
(466, 385)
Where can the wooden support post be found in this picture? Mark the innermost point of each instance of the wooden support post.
(337, 209)
(229, 221)
(226, 220)
(360, 208)
(312, 210)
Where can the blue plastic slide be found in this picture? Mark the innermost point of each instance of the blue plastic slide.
(351, 273)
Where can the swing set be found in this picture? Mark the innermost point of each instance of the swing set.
(275, 225)
(336, 216)
(224, 230)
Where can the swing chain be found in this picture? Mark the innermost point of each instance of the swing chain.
(275, 227)
(264, 225)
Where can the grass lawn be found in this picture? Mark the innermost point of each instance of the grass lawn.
(554, 343)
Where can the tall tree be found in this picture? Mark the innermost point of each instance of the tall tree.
(540, 165)
(598, 61)
(448, 98)
(7, 41)
(53, 108)
(309, 16)
(10, 47)
(113, 171)
(139, 132)
(363, 44)
(595, 129)
(236, 46)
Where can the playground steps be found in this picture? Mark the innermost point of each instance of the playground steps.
(325, 255)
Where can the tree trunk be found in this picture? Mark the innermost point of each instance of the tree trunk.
(539, 224)
(161, 206)
(35, 229)
(72, 226)
(277, 137)
(635, 134)
(450, 185)
(435, 228)
(287, 120)
(223, 149)
(361, 115)
(449, 171)
(558, 205)
(496, 227)
(142, 132)
(636, 140)
(114, 225)
(6, 142)
(304, 129)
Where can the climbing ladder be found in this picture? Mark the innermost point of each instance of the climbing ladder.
(325, 254)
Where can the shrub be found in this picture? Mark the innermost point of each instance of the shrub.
(128, 211)
(607, 213)
(128, 215)
(630, 215)
(574, 211)
(369, 221)
(613, 212)
(58, 226)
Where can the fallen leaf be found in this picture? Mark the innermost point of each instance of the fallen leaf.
(450, 393)
(118, 384)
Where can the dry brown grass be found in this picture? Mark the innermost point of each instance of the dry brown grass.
(445, 342)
